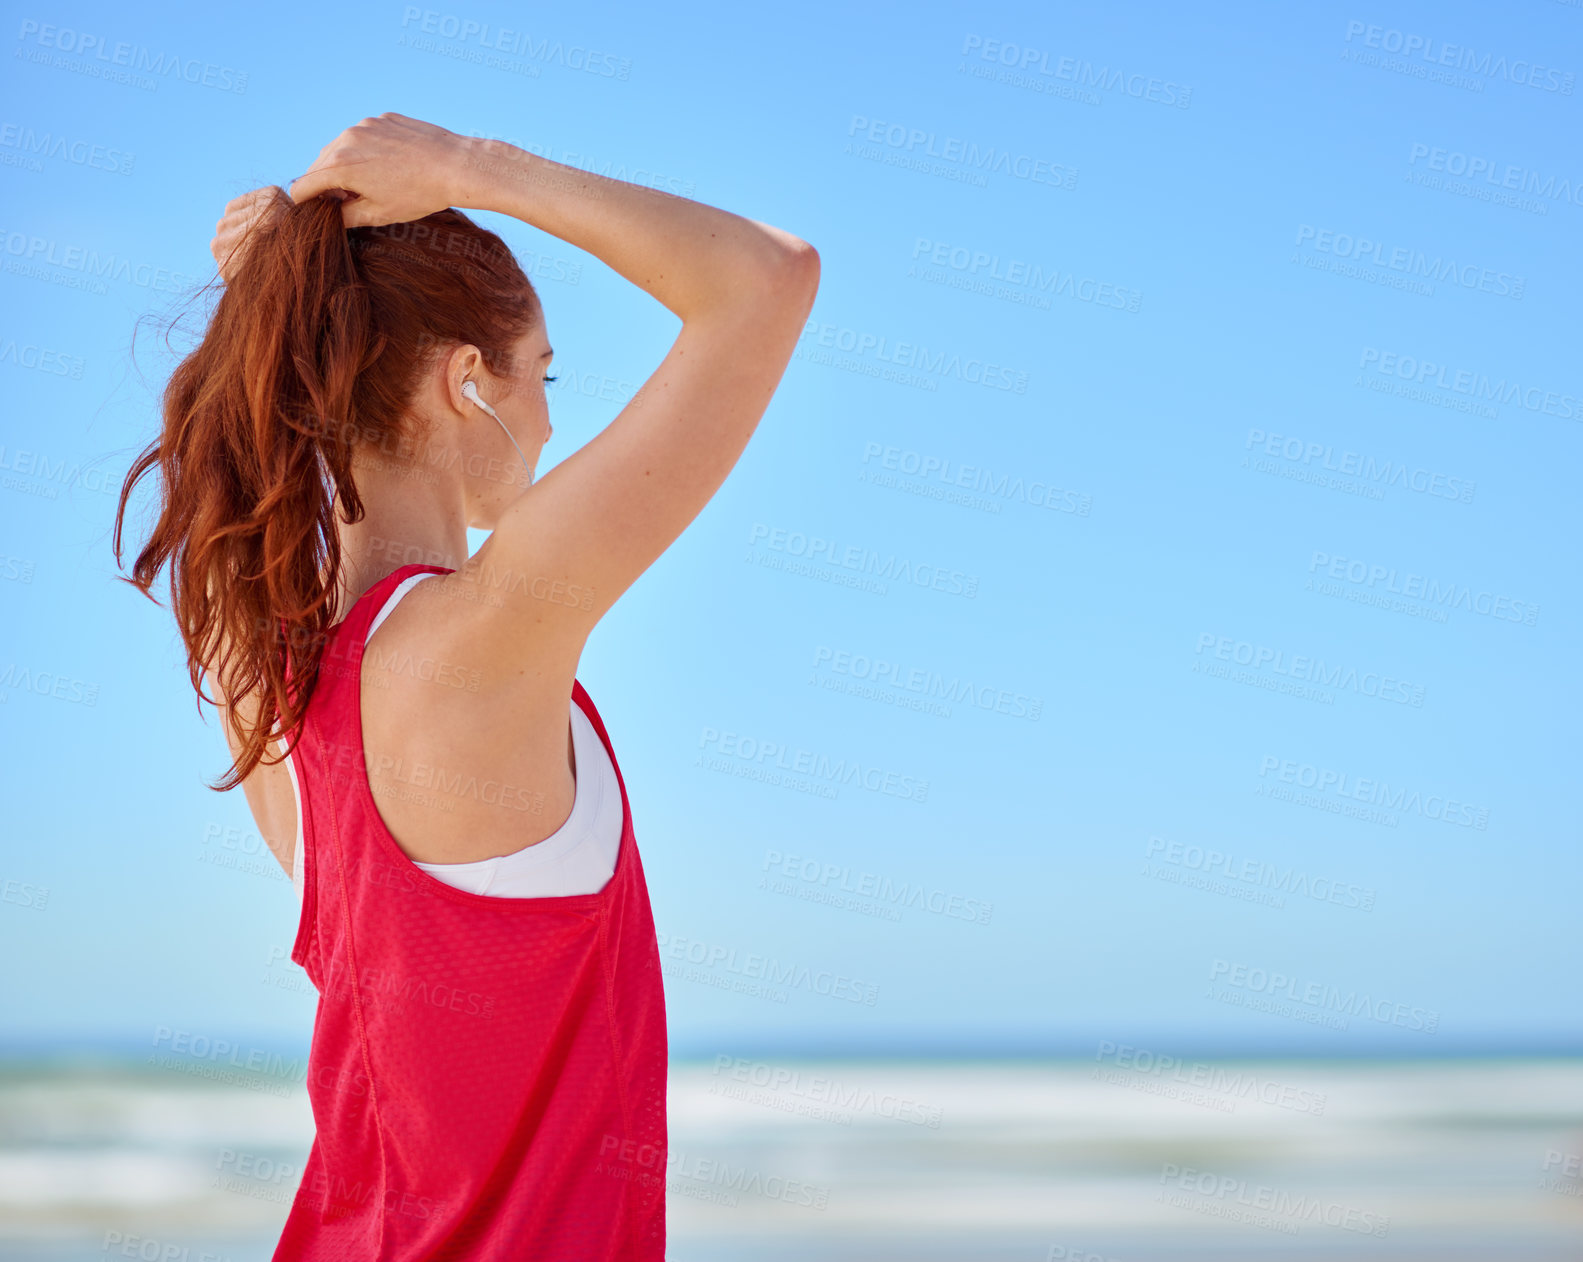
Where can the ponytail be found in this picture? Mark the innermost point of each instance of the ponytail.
(315, 347)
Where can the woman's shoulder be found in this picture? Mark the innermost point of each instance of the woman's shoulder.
(439, 649)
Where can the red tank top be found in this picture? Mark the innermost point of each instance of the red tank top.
(487, 1075)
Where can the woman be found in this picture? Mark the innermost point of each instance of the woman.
(487, 1070)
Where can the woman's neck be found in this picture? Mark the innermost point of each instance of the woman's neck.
(402, 524)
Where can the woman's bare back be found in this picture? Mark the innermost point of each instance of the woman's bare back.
(465, 761)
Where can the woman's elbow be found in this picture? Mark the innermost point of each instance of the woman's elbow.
(797, 278)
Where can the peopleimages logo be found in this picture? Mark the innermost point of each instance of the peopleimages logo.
(463, 30)
(1437, 52)
(767, 968)
(64, 471)
(1313, 670)
(912, 357)
(831, 1093)
(1247, 1202)
(927, 470)
(753, 753)
(1345, 245)
(1306, 459)
(929, 683)
(1478, 387)
(28, 254)
(1321, 995)
(1243, 1083)
(1110, 78)
(94, 56)
(83, 153)
(1272, 876)
(41, 359)
(1376, 576)
(840, 878)
(1505, 176)
(1376, 792)
(1021, 166)
(982, 265)
(822, 554)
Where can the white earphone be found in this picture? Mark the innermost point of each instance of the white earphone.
(470, 392)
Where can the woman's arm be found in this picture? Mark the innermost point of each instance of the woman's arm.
(603, 515)
(690, 257)
(743, 291)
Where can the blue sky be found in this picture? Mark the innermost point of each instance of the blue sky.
(1223, 563)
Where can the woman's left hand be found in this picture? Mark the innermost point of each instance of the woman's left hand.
(389, 169)
(241, 214)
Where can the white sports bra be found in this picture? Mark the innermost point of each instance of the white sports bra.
(579, 857)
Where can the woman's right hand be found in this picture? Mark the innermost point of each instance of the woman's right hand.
(390, 169)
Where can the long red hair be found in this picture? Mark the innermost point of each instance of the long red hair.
(315, 346)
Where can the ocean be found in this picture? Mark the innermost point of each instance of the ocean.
(1117, 1159)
